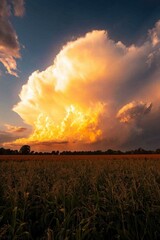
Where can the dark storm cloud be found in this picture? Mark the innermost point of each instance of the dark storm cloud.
(9, 44)
(149, 136)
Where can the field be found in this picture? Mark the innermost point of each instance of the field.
(80, 197)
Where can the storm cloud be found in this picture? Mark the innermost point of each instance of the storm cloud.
(95, 89)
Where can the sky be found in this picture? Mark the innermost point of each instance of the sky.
(80, 75)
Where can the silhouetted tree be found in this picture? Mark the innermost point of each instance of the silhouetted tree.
(158, 150)
(25, 149)
(2, 151)
(110, 152)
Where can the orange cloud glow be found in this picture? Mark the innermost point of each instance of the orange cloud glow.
(78, 97)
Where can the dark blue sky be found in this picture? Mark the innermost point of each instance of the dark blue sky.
(48, 25)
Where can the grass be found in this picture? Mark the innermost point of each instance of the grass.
(80, 197)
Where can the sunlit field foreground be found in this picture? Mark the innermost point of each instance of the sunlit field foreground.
(80, 197)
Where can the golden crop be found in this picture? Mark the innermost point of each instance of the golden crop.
(80, 197)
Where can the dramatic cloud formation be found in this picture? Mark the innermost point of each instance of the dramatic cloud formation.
(9, 45)
(94, 87)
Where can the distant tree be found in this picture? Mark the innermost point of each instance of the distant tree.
(110, 151)
(158, 150)
(140, 151)
(2, 151)
(55, 152)
(25, 149)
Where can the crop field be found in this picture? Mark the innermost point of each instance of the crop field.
(80, 197)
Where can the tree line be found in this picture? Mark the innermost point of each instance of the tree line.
(26, 150)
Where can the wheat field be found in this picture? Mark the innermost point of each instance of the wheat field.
(80, 197)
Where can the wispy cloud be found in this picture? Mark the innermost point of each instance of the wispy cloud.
(6, 137)
(14, 129)
(18, 7)
(9, 44)
(12, 132)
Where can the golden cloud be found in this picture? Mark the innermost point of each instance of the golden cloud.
(77, 98)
